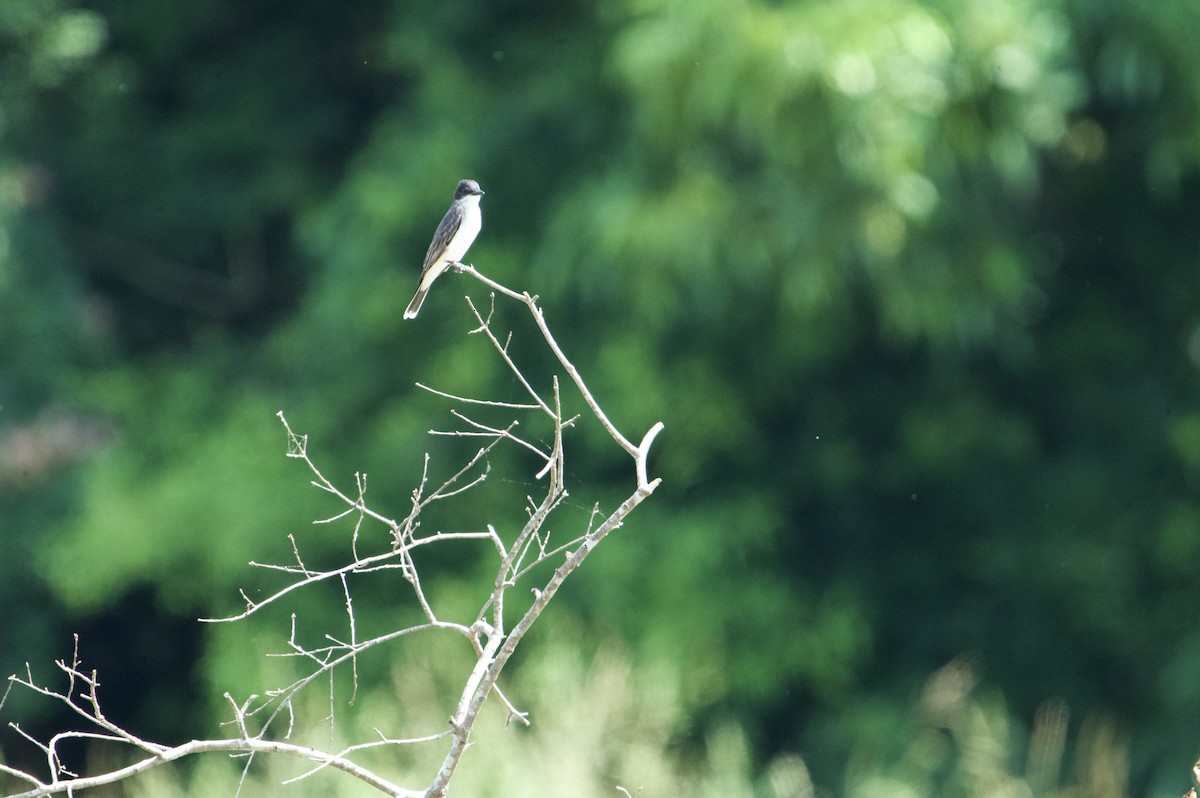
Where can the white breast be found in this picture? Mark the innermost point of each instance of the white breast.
(472, 223)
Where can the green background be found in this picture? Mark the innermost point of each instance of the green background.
(913, 286)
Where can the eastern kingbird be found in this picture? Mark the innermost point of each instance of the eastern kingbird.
(454, 235)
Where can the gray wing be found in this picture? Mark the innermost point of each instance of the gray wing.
(441, 237)
(437, 248)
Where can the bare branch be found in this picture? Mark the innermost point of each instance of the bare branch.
(256, 720)
(382, 741)
(298, 448)
(489, 431)
(502, 350)
(638, 453)
(484, 402)
(243, 745)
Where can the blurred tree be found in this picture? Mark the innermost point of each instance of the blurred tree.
(913, 284)
(44, 323)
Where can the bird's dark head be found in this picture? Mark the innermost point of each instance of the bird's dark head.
(466, 188)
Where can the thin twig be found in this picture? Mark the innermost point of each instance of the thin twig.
(469, 400)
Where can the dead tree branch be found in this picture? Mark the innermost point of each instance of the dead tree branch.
(264, 724)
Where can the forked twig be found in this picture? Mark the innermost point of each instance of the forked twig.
(639, 453)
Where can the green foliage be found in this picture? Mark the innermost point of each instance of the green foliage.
(961, 743)
(601, 723)
(189, 509)
(910, 283)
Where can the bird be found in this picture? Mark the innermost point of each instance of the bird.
(453, 238)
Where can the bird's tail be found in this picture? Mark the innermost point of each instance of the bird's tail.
(414, 307)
